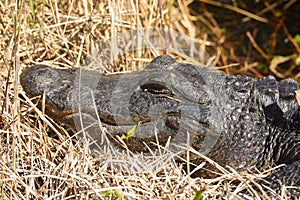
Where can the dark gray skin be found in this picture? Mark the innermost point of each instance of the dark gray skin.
(238, 121)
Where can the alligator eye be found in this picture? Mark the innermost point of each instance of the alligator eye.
(156, 88)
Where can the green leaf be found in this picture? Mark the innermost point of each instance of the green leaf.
(198, 195)
(297, 60)
(278, 14)
(32, 7)
(297, 38)
(131, 132)
(112, 194)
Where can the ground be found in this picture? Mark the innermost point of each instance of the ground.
(68, 34)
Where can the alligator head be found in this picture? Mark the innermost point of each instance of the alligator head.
(168, 97)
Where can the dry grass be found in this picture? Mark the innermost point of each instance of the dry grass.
(63, 33)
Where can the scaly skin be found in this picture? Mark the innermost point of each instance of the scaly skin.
(238, 121)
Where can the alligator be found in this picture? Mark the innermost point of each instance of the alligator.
(238, 121)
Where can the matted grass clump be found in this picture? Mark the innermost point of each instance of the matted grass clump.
(37, 165)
